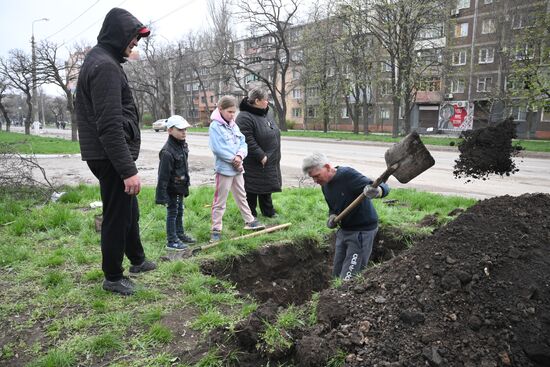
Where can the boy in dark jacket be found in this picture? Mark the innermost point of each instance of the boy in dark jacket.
(173, 182)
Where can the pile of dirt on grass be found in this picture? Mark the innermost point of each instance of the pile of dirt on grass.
(476, 293)
(487, 151)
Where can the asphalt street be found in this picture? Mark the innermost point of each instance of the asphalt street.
(533, 175)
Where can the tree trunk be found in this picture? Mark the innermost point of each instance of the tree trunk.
(29, 115)
(395, 125)
(6, 117)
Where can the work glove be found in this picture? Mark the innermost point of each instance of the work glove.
(330, 222)
(372, 192)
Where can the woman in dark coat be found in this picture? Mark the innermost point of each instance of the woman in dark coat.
(262, 171)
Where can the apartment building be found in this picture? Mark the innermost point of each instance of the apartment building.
(481, 49)
(465, 84)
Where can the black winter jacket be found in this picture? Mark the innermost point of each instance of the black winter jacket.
(263, 138)
(173, 176)
(107, 117)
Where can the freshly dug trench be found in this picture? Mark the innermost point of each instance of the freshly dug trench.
(281, 273)
(487, 151)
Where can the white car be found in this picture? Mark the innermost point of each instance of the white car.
(159, 125)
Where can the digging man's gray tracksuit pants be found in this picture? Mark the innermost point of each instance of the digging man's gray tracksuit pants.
(352, 252)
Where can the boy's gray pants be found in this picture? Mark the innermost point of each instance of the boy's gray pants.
(352, 253)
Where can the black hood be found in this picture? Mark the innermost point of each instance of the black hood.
(245, 106)
(118, 29)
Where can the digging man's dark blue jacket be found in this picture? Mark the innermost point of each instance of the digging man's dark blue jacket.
(346, 185)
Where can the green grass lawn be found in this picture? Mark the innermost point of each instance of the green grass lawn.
(54, 312)
(32, 144)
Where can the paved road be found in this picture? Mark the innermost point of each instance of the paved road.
(533, 175)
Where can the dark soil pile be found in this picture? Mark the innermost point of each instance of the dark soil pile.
(475, 293)
(487, 151)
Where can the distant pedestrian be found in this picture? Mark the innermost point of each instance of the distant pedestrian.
(229, 147)
(262, 169)
(36, 127)
(173, 182)
(108, 127)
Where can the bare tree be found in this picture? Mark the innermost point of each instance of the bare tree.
(63, 74)
(195, 57)
(320, 62)
(17, 72)
(150, 77)
(361, 59)
(397, 25)
(266, 56)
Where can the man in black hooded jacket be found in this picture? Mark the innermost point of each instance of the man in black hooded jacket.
(108, 127)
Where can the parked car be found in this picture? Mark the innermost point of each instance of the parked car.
(159, 125)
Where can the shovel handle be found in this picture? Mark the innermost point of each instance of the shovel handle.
(383, 178)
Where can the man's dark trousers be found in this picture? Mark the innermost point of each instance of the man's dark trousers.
(120, 227)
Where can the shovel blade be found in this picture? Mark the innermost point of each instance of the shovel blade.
(412, 158)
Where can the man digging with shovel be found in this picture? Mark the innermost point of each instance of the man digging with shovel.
(341, 186)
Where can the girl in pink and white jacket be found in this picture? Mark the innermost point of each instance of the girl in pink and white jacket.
(229, 147)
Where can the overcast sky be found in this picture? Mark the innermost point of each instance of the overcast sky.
(72, 21)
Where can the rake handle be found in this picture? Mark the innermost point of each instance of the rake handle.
(253, 234)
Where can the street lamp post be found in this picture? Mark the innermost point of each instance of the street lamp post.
(33, 49)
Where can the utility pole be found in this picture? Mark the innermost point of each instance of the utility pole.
(33, 49)
(172, 111)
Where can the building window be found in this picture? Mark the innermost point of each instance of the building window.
(487, 2)
(386, 67)
(486, 55)
(296, 93)
(251, 78)
(457, 86)
(484, 83)
(203, 99)
(385, 88)
(525, 52)
(295, 74)
(432, 84)
(461, 30)
(296, 112)
(384, 114)
(431, 31)
(522, 21)
(311, 112)
(511, 84)
(545, 114)
(488, 26)
(312, 92)
(519, 113)
(459, 57)
(463, 4)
